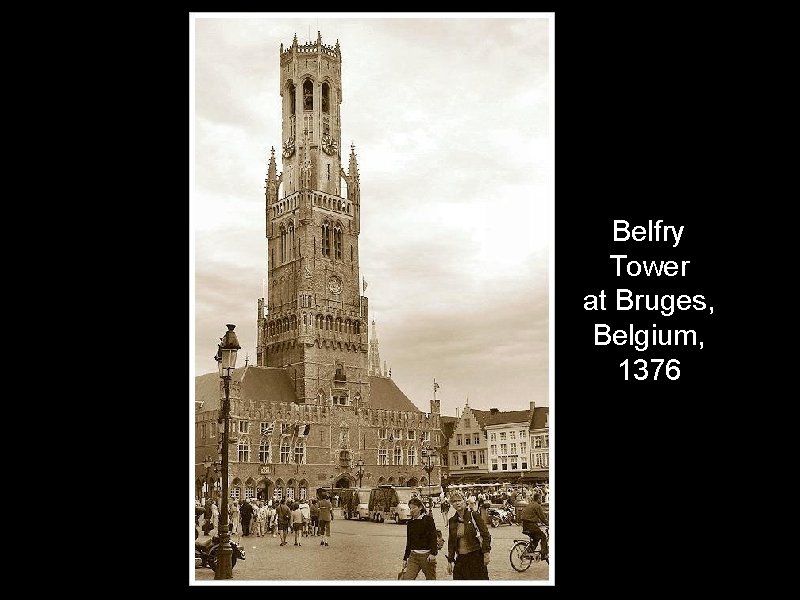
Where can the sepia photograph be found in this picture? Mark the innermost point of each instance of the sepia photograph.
(371, 290)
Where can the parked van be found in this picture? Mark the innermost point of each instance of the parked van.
(361, 500)
(390, 502)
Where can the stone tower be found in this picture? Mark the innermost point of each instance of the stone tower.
(313, 321)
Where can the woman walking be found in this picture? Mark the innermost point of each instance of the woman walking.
(468, 543)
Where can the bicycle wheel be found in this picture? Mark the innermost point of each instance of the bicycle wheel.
(519, 557)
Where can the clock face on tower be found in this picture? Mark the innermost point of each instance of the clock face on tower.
(335, 285)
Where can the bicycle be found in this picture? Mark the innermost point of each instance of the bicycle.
(523, 555)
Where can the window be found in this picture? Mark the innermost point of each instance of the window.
(546, 440)
(326, 101)
(382, 433)
(482, 457)
(326, 243)
(263, 452)
(290, 493)
(308, 95)
(244, 451)
(466, 423)
(524, 465)
(458, 439)
(285, 451)
(249, 491)
(513, 464)
(493, 449)
(502, 436)
(236, 492)
(455, 458)
(292, 99)
(513, 448)
(398, 434)
(303, 493)
(263, 426)
(537, 441)
(382, 457)
(398, 455)
(503, 449)
(411, 456)
(426, 436)
(492, 437)
(243, 426)
(286, 428)
(476, 439)
(474, 456)
(494, 464)
(411, 435)
(299, 453)
(512, 435)
(523, 434)
(337, 241)
(504, 466)
(466, 440)
(523, 448)
(464, 458)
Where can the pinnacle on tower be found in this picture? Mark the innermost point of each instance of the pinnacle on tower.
(353, 167)
(374, 356)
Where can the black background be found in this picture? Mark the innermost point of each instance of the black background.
(646, 129)
(644, 469)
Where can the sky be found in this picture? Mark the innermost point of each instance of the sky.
(452, 127)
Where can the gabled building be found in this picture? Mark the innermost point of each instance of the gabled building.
(501, 445)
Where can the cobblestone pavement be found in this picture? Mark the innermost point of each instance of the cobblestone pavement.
(361, 551)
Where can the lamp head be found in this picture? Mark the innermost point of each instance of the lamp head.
(226, 351)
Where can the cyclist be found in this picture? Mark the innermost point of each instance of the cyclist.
(531, 516)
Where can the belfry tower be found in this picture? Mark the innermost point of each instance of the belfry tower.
(313, 321)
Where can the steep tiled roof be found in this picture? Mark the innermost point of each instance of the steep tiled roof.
(273, 384)
(539, 417)
(448, 424)
(268, 384)
(510, 416)
(384, 394)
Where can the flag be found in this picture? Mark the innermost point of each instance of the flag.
(304, 431)
(268, 429)
(435, 385)
(364, 282)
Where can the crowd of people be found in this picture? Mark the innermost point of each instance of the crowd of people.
(468, 540)
(273, 517)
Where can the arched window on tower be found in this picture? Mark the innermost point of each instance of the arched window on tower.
(326, 93)
(291, 241)
(283, 244)
(292, 100)
(326, 243)
(308, 95)
(337, 241)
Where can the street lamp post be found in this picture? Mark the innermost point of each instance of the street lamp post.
(226, 361)
(360, 465)
(427, 453)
